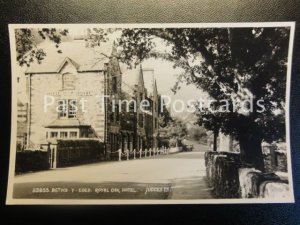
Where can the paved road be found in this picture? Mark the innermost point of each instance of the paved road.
(173, 176)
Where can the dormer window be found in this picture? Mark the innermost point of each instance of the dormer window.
(68, 81)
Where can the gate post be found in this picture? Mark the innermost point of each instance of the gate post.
(54, 157)
(140, 153)
(127, 153)
(120, 154)
(133, 153)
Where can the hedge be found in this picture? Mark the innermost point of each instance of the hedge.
(74, 152)
(31, 161)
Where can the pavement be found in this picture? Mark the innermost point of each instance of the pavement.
(174, 176)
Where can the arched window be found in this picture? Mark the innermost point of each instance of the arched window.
(68, 81)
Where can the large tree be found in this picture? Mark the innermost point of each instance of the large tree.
(232, 64)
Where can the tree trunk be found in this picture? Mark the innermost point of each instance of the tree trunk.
(251, 151)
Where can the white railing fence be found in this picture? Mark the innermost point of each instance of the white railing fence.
(147, 153)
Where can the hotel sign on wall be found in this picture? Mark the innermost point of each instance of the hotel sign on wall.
(73, 93)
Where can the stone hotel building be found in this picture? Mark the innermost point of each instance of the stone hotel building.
(78, 78)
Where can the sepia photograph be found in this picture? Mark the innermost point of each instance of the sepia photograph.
(150, 113)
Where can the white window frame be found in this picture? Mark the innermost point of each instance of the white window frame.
(66, 110)
(76, 136)
(63, 132)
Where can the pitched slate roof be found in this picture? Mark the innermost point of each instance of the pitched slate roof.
(84, 58)
(66, 123)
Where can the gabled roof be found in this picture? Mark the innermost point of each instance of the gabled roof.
(82, 57)
(67, 60)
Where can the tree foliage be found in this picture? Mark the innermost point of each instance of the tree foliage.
(27, 41)
(197, 133)
(232, 64)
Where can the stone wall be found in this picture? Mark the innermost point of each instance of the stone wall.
(229, 178)
(222, 173)
(274, 190)
(281, 161)
(255, 184)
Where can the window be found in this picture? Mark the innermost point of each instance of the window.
(141, 120)
(132, 106)
(68, 81)
(63, 134)
(62, 108)
(67, 108)
(111, 117)
(84, 133)
(73, 134)
(53, 134)
(72, 108)
(114, 84)
(117, 112)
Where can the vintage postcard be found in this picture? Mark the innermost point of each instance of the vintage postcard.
(150, 113)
